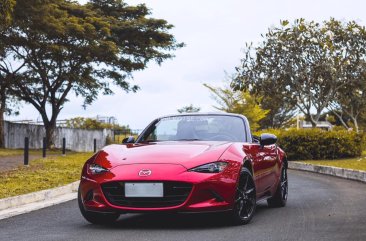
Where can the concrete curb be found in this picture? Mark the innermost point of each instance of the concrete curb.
(33, 201)
(332, 171)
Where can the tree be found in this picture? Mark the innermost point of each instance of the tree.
(189, 109)
(363, 121)
(334, 119)
(281, 112)
(8, 103)
(239, 102)
(6, 9)
(350, 100)
(8, 71)
(85, 49)
(93, 124)
(308, 64)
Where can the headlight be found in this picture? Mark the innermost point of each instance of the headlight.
(96, 169)
(214, 167)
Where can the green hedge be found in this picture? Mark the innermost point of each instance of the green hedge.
(316, 144)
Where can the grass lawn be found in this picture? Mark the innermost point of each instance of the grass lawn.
(43, 174)
(358, 163)
(17, 152)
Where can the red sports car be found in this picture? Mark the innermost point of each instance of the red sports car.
(186, 163)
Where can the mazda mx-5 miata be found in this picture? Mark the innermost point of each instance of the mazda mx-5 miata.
(186, 163)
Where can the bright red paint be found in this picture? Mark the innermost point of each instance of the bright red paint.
(171, 160)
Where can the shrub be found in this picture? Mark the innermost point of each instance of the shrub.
(315, 144)
(364, 141)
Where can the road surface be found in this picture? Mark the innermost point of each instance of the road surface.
(319, 208)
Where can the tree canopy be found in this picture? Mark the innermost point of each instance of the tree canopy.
(189, 109)
(309, 65)
(6, 10)
(239, 102)
(93, 124)
(8, 103)
(63, 47)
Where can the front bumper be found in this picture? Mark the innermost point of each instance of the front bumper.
(208, 192)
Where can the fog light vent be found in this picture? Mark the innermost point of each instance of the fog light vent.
(89, 196)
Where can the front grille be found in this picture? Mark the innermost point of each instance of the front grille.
(175, 193)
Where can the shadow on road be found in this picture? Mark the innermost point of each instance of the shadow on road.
(174, 220)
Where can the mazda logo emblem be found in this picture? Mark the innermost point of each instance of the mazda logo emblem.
(144, 173)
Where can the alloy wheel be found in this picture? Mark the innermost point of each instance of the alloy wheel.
(245, 199)
(284, 184)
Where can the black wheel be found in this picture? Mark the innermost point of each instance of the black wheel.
(94, 217)
(245, 198)
(280, 197)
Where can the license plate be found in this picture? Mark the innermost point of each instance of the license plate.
(144, 189)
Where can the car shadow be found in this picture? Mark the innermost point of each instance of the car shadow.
(177, 221)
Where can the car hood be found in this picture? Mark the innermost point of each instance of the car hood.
(185, 153)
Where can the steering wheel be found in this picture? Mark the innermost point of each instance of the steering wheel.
(223, 137)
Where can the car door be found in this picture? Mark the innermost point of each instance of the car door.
(264, 164)
(272, 161)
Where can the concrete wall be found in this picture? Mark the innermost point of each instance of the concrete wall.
(76, 139)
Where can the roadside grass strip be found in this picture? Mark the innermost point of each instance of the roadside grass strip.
(17, 152)
(41, 174)
(358, 163)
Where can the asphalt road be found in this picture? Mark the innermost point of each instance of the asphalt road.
(319, 208)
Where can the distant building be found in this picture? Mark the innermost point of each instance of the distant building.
(107, 119)
(326, 125)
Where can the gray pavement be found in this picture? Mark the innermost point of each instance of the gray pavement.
(319, 208)
(8, 163)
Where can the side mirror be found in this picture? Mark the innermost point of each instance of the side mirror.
(267, 139)
(128, 140)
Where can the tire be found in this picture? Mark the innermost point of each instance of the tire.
(245, 199)
(94, 217)
(279, 199)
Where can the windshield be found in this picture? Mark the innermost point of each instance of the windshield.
(196, 127)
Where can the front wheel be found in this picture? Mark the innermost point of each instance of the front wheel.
(245, 198)
(94, 217)
(280, 197)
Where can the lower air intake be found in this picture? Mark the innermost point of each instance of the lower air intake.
(175, 193)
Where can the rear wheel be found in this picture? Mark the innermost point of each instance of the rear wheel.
(245, 198)
(94, 217)
(280, 197)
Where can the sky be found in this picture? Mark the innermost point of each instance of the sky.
(215, 33)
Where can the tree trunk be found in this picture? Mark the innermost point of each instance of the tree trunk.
(340, 118)
(313, 122)
(309, 116)
(2, 133)
(356, 124)
(50, 134)
(2, 111)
